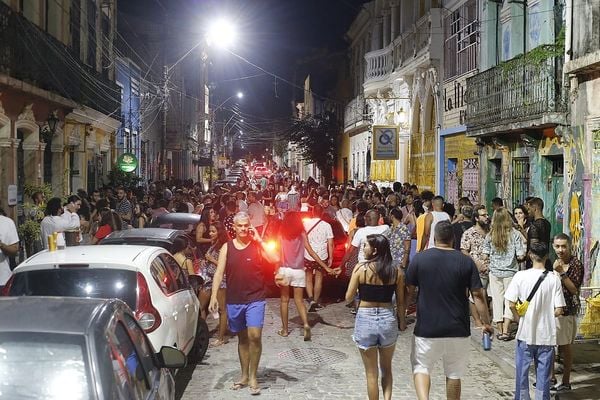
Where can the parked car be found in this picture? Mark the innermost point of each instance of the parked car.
(75, 348)
(147, 279)
(182, 221)
(160, 237)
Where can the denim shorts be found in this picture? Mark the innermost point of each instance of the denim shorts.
(375, 327)
(244, 316)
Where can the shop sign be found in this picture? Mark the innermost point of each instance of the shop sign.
(127, 162)
(385, 142)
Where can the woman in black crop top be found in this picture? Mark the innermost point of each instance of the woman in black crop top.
(376, 326)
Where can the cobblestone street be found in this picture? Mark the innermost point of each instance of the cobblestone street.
(329, 367)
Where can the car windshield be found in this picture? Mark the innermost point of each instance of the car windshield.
(43, 366)
(78, 282)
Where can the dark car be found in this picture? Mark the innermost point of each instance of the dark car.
(159, 237)
(80, 348)
(182, 221)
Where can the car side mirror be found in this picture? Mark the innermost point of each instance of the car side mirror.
(170, 357)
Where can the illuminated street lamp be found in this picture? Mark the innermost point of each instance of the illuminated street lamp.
(221, 33)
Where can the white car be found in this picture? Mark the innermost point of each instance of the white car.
(147, 278)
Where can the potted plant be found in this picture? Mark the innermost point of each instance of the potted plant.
(29, 233)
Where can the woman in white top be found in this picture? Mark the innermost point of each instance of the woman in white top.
(53, 222)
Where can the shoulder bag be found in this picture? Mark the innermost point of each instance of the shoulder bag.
(522, 306)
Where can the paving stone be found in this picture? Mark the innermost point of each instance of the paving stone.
(282, 378)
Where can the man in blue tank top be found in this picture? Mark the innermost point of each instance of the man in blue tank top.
(241, 260)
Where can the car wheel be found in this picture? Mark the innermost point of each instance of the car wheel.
(200, 342)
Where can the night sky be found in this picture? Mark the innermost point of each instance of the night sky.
(277, 35)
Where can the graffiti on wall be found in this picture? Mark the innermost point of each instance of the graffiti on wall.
(576, 223)
(470, 179)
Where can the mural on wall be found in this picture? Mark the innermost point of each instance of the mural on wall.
(470, 179)
(576, 223)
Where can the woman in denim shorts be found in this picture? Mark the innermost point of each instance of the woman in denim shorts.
(376, 326)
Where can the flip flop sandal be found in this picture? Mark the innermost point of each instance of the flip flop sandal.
(282, 333)
(307, 334)
(217, 343)
(254, 391)
(505, 337)
(238, 385)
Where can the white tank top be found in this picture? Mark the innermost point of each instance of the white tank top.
(437, 217)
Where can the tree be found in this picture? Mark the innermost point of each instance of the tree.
(117, 178)
(315, 138)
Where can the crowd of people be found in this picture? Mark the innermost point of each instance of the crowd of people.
(403, 246)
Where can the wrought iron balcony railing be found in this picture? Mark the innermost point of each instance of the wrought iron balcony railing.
(515, 91)
(29, 54)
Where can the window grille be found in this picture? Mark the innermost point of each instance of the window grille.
(461, 34)
(520, 181)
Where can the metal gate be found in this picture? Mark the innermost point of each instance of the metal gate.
(520, 181)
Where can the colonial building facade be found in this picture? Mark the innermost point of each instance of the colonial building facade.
(60, 106)
(400, 74)
(516, 105)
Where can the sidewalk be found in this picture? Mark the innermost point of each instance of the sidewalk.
(585, 377)
(328, 367)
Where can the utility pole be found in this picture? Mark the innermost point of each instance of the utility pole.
(163, 158)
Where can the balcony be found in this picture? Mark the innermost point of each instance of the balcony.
(514, 95)
(413, 43)
(31, 55)
(354, 114)
(379, 64)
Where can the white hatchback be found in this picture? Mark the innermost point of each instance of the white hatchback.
(147, 278)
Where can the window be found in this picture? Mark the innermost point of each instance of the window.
(460, 38)
(162, 277)
(128, 370)
(77, 282)
(75, 23)
(143, 347)
(520, 186)
(176, 271)
(42, 365)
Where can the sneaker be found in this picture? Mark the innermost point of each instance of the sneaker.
(312, 306)
(318, 307)
(353, 311)
(561, 388)
(553, 382)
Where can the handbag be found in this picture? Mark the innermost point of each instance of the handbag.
(522, 306)
(281, 279)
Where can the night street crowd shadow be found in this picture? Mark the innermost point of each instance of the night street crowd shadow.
(184, 376)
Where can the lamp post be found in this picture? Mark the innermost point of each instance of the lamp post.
(221, 33)
(239, 95)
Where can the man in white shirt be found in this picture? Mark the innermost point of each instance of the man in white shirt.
(9, 247)
(54, 222)
(70, 211)
(536, 336)
(320, 237)
(360, 237)
(256, 211)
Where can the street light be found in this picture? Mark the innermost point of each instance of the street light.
(239, 95)
(221, 33)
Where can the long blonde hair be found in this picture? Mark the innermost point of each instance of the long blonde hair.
(500, 231)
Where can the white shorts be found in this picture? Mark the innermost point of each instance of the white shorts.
(453, 351)
(295, 277)
(566, 329)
